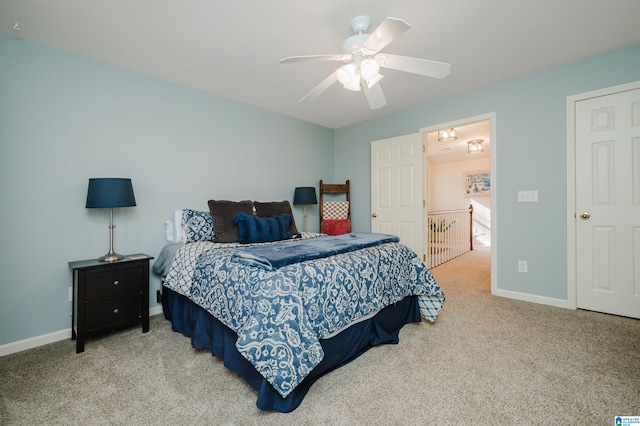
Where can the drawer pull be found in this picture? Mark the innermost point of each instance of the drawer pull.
(116, 282)
(115, 311)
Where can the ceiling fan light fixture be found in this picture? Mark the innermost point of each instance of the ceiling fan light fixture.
(354, 84)
(369, 68)
(372, 82)
(447, 135)
(346, 73)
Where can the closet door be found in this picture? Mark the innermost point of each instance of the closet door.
(608, 203)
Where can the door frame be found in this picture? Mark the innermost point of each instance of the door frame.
(572, 283)
(491, 117)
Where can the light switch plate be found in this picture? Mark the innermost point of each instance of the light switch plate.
(527, 196)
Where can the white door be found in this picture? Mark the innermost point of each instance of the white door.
(397, 189)
(608, 203)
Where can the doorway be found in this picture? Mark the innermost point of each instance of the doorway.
(449, 163)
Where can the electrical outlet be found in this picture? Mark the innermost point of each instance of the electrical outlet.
(158, 296)
(522, 266)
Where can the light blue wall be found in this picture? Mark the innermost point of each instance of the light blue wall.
(531, 154)
(64, 119)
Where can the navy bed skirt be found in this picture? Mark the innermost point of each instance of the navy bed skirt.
(207, 332)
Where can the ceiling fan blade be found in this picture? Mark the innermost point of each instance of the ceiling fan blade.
(387, 31)
(374, 95)
(414, 65)
(324, 85)
(315, 58)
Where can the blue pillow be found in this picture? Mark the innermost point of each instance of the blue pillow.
(255, 229)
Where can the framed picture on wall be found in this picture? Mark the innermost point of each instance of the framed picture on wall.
(477, 184)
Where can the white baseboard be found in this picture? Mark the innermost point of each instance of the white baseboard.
(34, 342)
(45, 339)
(560, 303)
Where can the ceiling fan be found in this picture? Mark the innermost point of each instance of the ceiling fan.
(363, 60)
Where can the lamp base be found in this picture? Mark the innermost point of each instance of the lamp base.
(305, 217)
(110, 257)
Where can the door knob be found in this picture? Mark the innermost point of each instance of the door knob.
(374, 215)
(585, 216)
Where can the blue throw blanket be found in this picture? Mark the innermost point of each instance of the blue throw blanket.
(272, 257)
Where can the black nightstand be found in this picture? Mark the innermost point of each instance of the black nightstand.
(109, 295)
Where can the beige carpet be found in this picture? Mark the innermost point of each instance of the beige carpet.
(487, 361)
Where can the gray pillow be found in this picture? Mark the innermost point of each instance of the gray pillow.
(222, 212)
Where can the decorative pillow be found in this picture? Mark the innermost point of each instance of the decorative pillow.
(335, 209)
(336, 226)
(222, 212)
(197, 225)
(255, 229)
(275, 208)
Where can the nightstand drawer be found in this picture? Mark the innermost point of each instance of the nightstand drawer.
(112, 312)
(113, 282)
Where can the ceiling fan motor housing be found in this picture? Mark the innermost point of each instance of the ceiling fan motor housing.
(351, 44)
(359, 25)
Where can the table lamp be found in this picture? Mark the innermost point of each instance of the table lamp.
(110, 193)
(305, 195)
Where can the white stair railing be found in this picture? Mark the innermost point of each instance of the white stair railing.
(449, 235)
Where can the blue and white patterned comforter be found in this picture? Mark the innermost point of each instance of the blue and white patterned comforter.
(281, 315)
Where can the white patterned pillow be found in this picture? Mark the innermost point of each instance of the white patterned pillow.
(335, 209)
(197, 225)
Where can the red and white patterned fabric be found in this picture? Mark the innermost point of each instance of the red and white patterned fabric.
(335, 209)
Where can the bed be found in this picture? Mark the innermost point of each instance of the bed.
(283, 313)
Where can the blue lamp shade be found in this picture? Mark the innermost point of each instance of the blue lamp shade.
(107, 193)
(305, 195)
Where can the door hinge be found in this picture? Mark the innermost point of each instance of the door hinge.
(424, 203)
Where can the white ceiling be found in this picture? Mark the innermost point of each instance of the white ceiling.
(232, 48)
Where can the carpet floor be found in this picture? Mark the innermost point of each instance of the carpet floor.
(486, 361)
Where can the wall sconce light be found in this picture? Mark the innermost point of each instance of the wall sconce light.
(475, 145)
